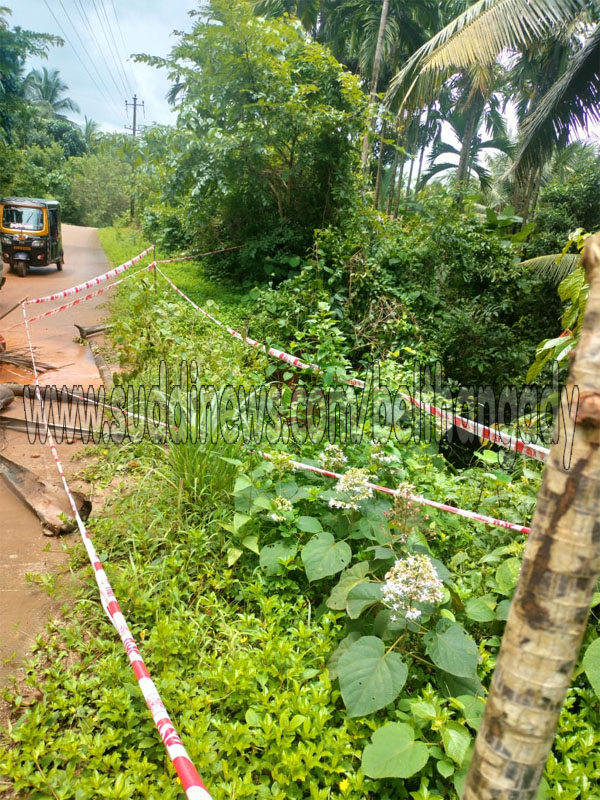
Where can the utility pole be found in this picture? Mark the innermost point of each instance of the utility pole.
(135, 105)
(133, 128)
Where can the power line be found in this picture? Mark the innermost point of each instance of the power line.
(83, 14)
(125, 49)
(62, 30)
(114, 41)
(110, 49)
(107, 94)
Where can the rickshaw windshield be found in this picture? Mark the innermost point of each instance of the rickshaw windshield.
(23, 218)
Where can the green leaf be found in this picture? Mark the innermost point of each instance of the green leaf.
(363, 595)
(591, 665)
(323, 556)
(272, 555)
(456, 740)
(332, 664)
(242, 483)
(473, 710)
(452, 649)
(369, 677)
(507, 575)
(263, 501)
(232, 556)
(394, 753)
(251, 542)
(445, 768)
(348, 580)
(309, 524)
(477, 609)
(239, 520)
(502, 610)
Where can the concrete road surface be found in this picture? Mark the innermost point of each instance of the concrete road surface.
(25, 608)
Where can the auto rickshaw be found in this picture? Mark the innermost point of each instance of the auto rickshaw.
(30, 233)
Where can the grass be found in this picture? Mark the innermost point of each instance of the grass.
(241, 669)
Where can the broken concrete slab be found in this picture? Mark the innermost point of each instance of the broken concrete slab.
(49, 502)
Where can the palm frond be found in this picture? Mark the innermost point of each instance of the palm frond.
(554, 267)
(477, 36)
(572, 102)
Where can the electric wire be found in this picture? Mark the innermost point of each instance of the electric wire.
(115, 61)
(116, 47)
(70, 43)
(107, 95)
(125, 49)
(83, 14)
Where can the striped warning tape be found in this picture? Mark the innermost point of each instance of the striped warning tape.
(447, 418)
(106, 276)
(188, 775)
(199, 255)
(423, 501)
(83, 299)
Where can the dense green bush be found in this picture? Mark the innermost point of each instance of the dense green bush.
(567, 203)
(435, 282)
(268, 136)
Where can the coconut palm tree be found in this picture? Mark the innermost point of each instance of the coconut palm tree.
(476, 37)
(46, 89)
(548, 614)
(499, 141)
(90, 132)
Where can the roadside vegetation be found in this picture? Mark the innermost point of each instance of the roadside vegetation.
(312, 639)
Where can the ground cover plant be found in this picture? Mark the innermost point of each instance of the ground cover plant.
(277, 610)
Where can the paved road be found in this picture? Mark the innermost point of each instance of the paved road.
(24, 608)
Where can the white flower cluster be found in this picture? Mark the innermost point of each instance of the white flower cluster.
(412, 580)
(405, 491)
(281, 461)
(282, 507)
(379, 456)
(353, 484)
(333, 457)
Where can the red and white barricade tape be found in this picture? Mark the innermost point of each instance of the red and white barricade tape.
(199, 255)
(188, 775)
(423, 501)
(112, 273)
(483, 431)
(83, 299)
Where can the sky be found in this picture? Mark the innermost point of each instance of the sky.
(94, 62)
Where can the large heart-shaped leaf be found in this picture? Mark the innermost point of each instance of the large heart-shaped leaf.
(362, 596)
(272, 555)
(323, 556)
(369, 677)
(394, 753)
(478, 610)
(334, 660)
(309, 524)
(348, 580)
(452, 649)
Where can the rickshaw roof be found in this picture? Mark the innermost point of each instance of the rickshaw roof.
(30, 201)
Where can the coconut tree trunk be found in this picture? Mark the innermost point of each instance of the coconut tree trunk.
(380, 165)
(399, 190)
(467, 144)
(549, 611)
(424, 147)
(374, 81)
(392, 186)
